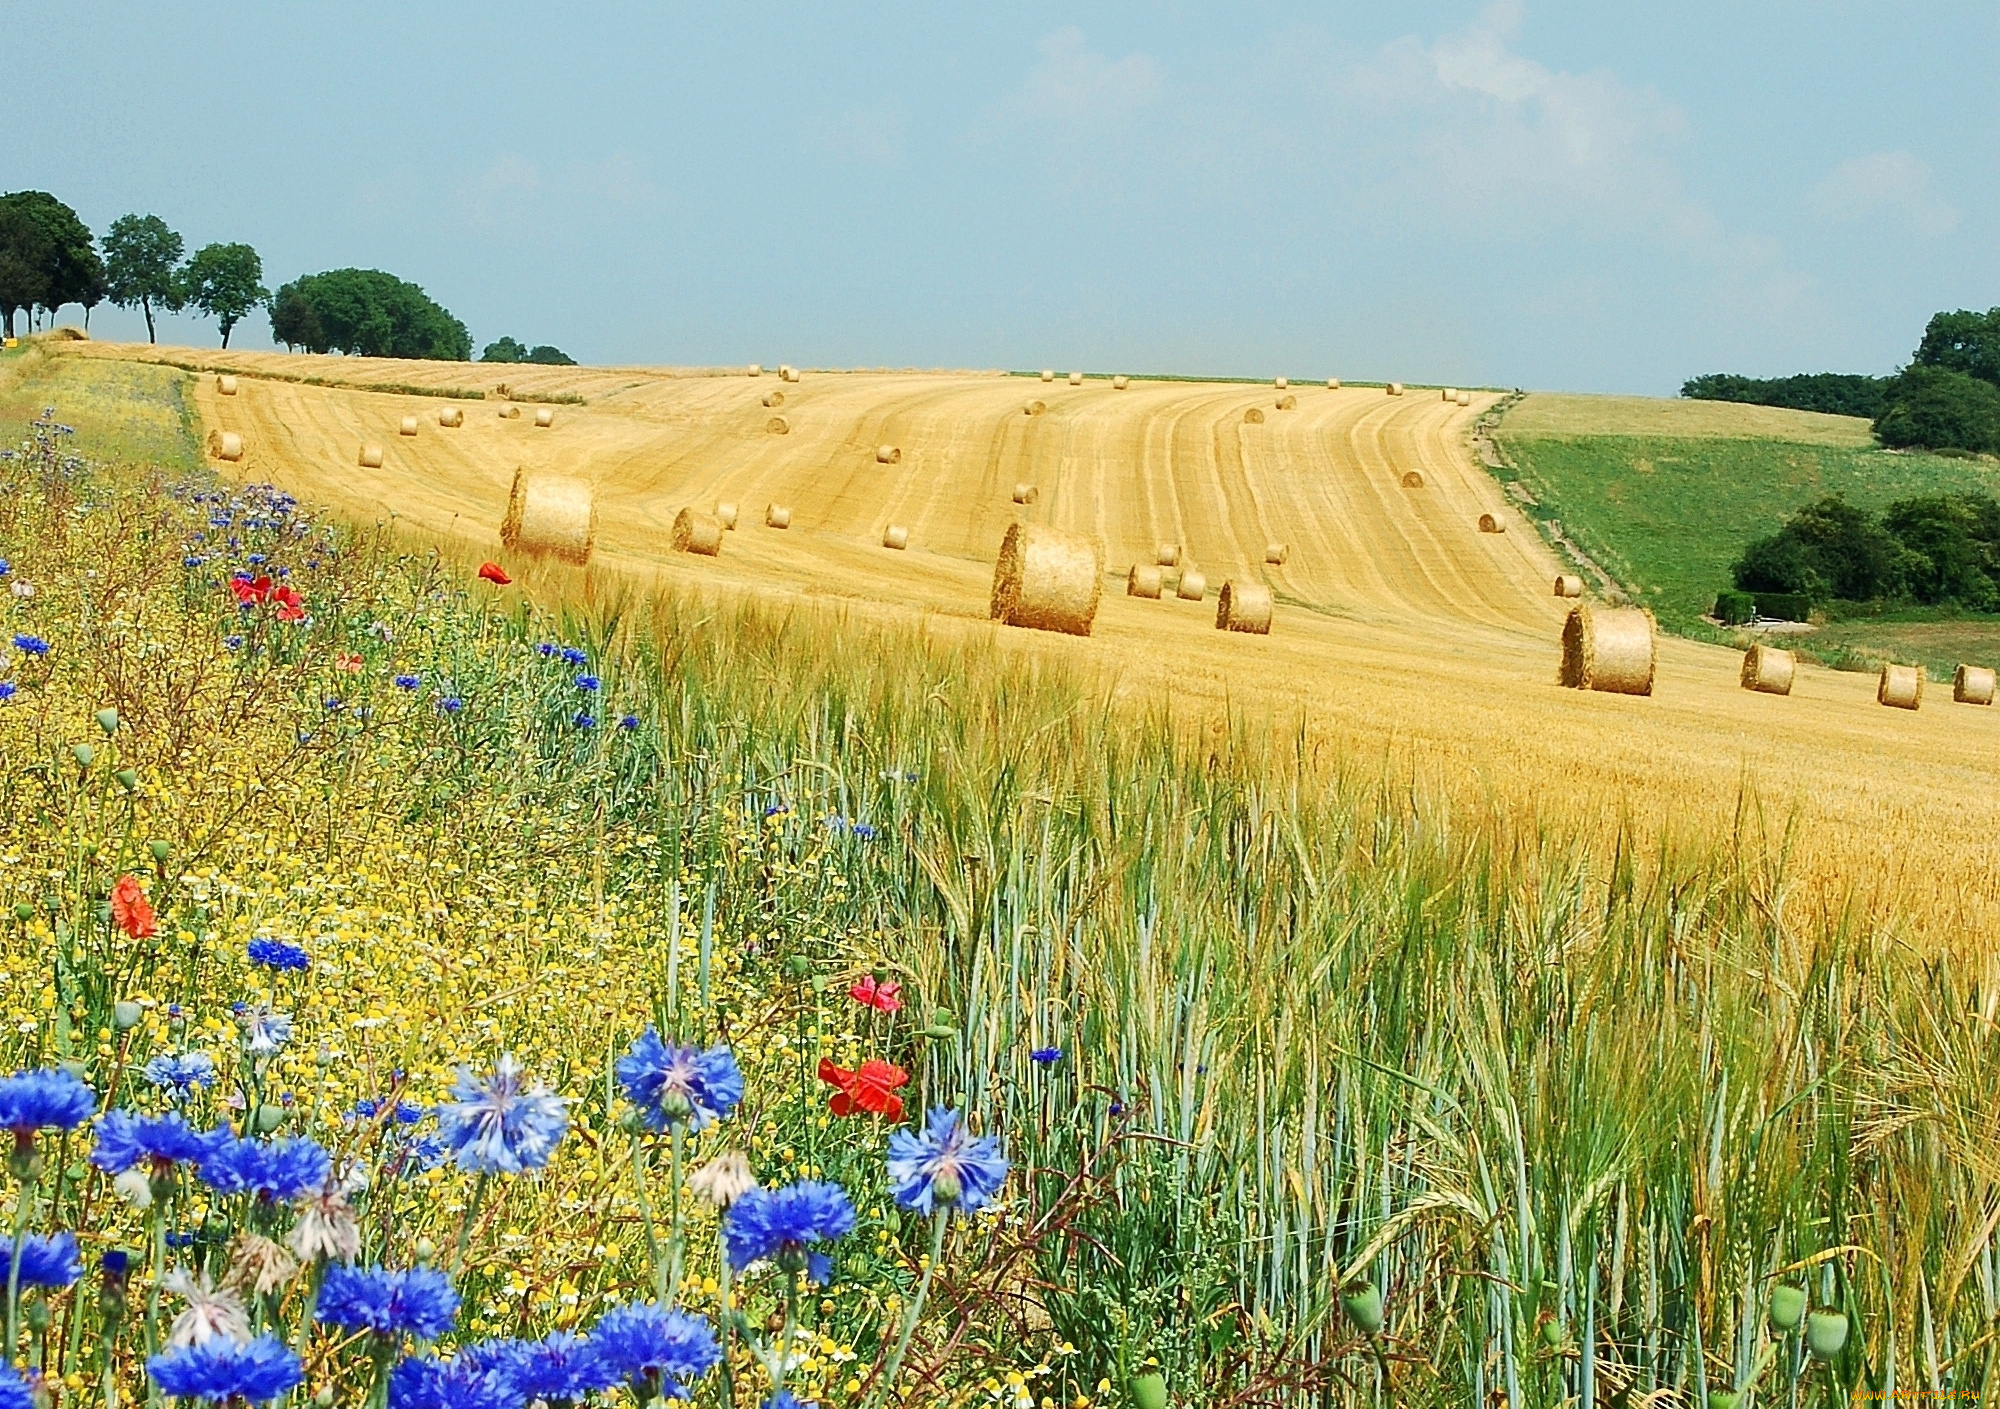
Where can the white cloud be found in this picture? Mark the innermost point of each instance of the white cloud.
(1071, 84)
(1892, 188)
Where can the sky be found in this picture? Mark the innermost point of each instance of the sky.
(1571, 196)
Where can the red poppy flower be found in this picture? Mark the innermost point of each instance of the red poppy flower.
(131, 911)
(494, 573)
(872, 1088)
(886, 995)
(290, 608)
(251, 589)
(349, 662)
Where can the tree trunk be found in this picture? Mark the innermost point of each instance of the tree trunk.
(227, 324)
(148, 309)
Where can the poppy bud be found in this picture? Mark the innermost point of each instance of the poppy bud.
(1724, 1398)
(107, 720)
(269, 1118)
(161, 851)
(1149, 1391)
(128, 779)
(24, 912)
(1362, 1301)
(83, 754)
(1826, 1333)
(798, 966)
(940, 1032)
(819, 983)
(125, 1015)
(1552, 1331)
(1787, 1307)
(426, 1250)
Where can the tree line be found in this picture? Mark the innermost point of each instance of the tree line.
(1934, 549)
(1947, 398)
(49, 258)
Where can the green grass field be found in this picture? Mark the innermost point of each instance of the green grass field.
(1666, 494)
(123, 411)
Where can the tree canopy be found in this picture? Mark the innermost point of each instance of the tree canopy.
(366, 313)
(48, 256)
(1937, 549)
(1963, 341)
(1837, 393)
(225, 282)
(510, 350)
(1938, 408)
(142, 266)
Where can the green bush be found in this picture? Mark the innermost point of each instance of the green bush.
(1733, 608)
(1934, 549)
(512, 350)
(1936, 408)
(366, 313)
(1783, 606)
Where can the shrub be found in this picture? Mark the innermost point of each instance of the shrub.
(1783, 606)
(1937, 408)
(1829, 548)
(510, 350)
(1733, 608)
(1962, 342)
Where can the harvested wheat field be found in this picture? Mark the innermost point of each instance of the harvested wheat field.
(1403, 636)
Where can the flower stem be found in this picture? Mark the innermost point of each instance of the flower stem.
(726, 1314)
(465, 1228)
(29, 1169)
(895, 1363)
(159, 1219)
(675, 1242)
(646, 1216)
(784, 1360)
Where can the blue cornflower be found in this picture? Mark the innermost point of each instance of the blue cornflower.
(785, 1224)
(863, 831)
(5, 567)
(498, 1127)
(14, 1391)
(7, 688)
(46, 1261)
(588, 682)
(404, 1113)
(586, 720)
(46, 1098)
(177, 1241)
(466, 1381)
(450, 704)
(255, 558)
(945, 1165)
(657, 1351)
(234, 643)
(277, 1172)
(559, 1367)
(407, 682)
(220, 1371)
(124, 1140)
(547, 648)
(629, 722)
(179, 1073)
(573, 656)
(30, 645)
(1046, 1056)
(193, 560)
(276, 954)
(670, 1083)
(418, 1302)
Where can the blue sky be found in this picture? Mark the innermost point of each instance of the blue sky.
(1555, 195)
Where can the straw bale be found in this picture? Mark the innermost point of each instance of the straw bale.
(1288, 402)
(1243, 606)
(1610, 649)
(696, 532)
(1972, 684)
(1047, 580)
(225, 384)
(776, 398)
(1450, 394)
(1333, 384)
(778, 516)
(1026, 493)
(1768, 670)
(1076, 379)
(1254, 416)
(1489, 523)
(1281, 384)
(371, 455)
(1119, 383)
(778, 425)
(225, 445)
(1277, 554)
(451, 417)
(1568, 584)
(552, 515)
(1464, 398)
(1412, 480)
(545, 416)
(510, 413)
(407, 426)
(1169, 554)
(1192, 587)
(1394, 388)
(895, 536)
(1145, 580)
(1048, 375)
(725, 513)
(756, 369)
(1900, 686)
(888, 455)
(1034, 408)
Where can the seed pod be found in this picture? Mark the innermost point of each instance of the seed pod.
(1149, 1391)
(107, 720)
(24, 912)
(1826, 1333)
(125, 1015)
(1552, 1331)
(161, 851)
(1362, 1301)
(1787, 1307)
(1724, 1398)
(127, 779)
(940, 1032)
(84, 754)
(269, 1118)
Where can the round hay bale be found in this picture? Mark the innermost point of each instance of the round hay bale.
(1464, 398)
(225, 384)
(510, 413)
(1333, 384)
(1972, 684)
(1489, 523)
(895, 536)
(1610, 649)
(778, 516)
(778, 425)
(371, 455)
(1192, 586)
(545, 416)
(1076, 379)
(725, 513)
(888, 455)
(1034, 408)
(1900, 687)
(451, 417)
(1169, 554)
(1394, 388)
(407, 426)
(1277, 554)
(776, 398)
(1450, 393)
(1281, 384)
(1144, 580)
(756, 369)
(1568, 584)
(696, 532)
(1288, 402)
(1120, 383)
(1026, 494)
(791, 374)
(1412, 480)
(1048, 375)
(551, 515)
(1047, 580)
(1254, 416)
(1243, 606)
(225, 445)
(1768, 670)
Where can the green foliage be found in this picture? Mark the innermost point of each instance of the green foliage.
(1963, 342)
(1836, 393)
(48, 256)
(1934, 408)
(509, 350)
(1734, 608)
(366, 313)
(141, 266)
(225, 282)
(1783, 606)
(1935, 549)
